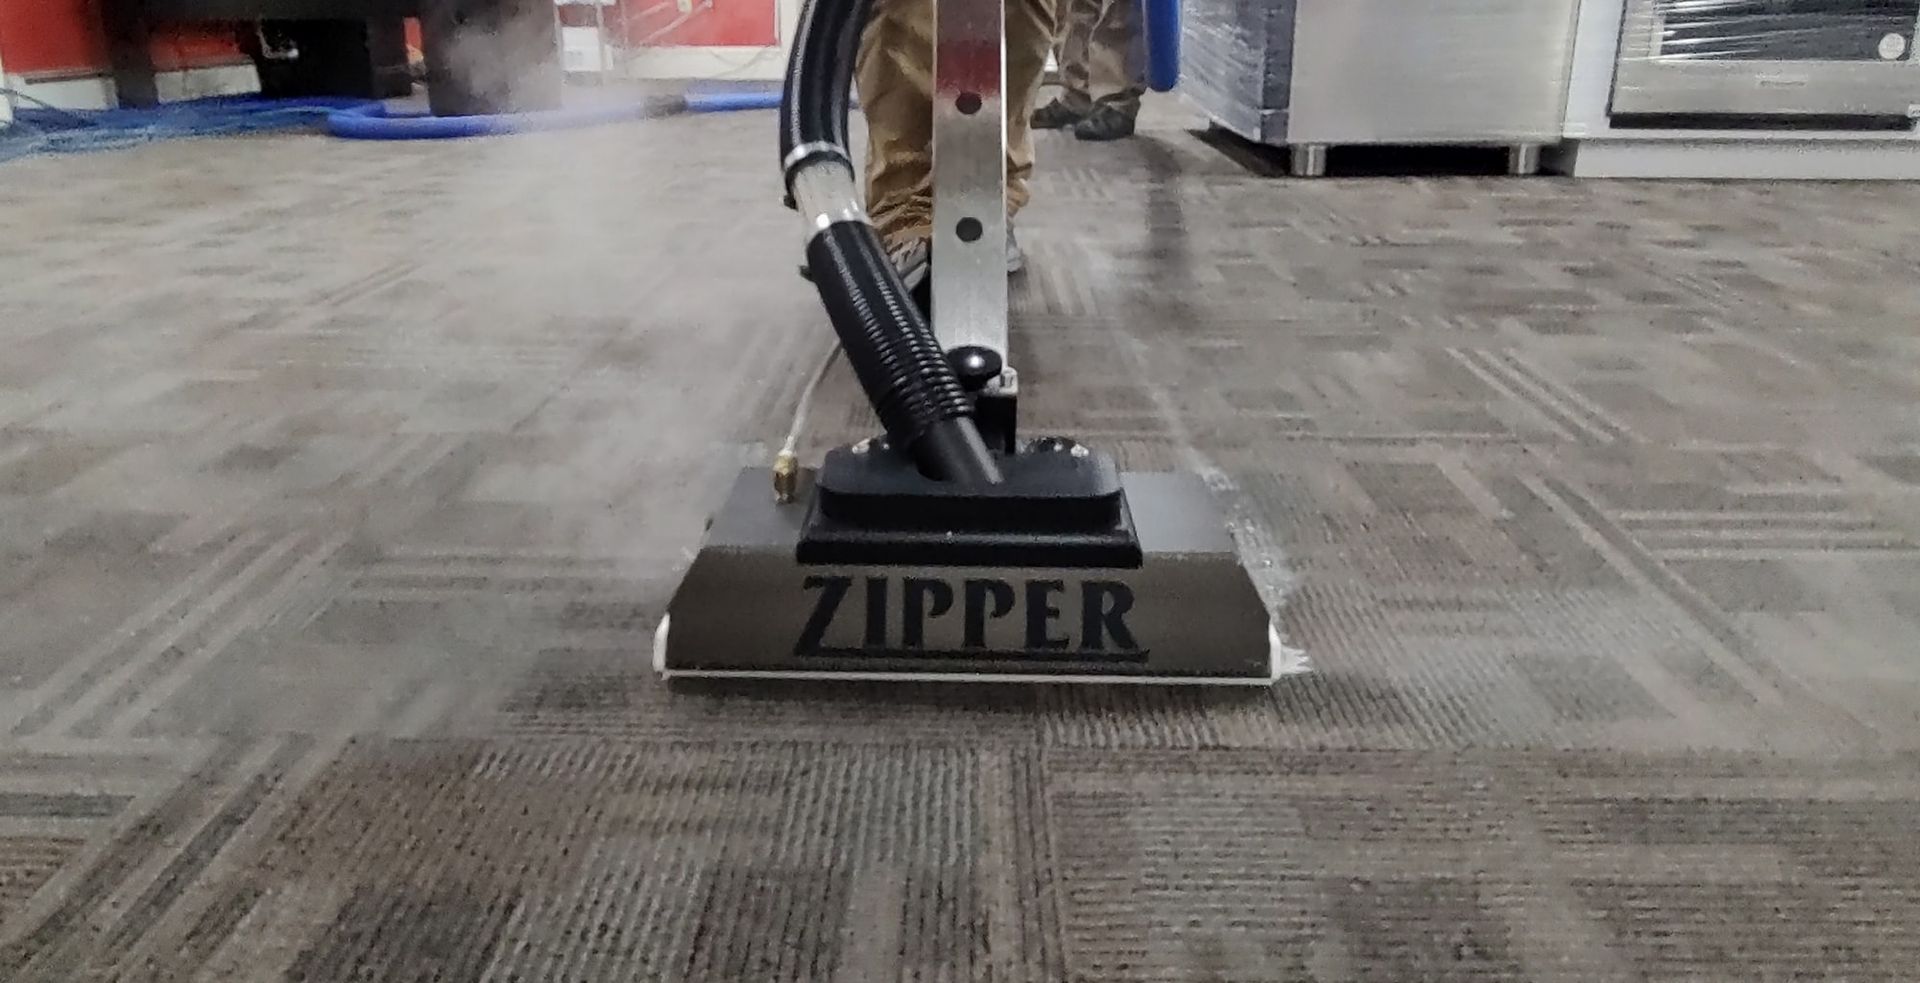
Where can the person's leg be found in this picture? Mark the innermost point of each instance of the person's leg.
(894, 76)
(1031, 27)
(1116, 58)
(1074, 29)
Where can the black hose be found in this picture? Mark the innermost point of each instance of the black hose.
(892, 348)
(899, 362)
(813, 102)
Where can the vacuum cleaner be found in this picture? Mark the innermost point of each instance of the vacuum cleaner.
(950, 546)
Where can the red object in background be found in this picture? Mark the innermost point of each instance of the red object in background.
(59, 36)
(702, 23)
(63, 36)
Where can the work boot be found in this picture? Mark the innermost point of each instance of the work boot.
(1107, 122)
(1056, 115)
(911, 260)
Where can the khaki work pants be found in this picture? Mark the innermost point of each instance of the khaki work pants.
(1101, 55)
(894, 75)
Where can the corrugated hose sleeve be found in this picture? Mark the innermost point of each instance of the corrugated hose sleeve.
(895, 356)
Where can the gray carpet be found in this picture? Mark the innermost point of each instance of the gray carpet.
(342, 484)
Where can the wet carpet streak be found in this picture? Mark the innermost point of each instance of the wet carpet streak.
(341, 486)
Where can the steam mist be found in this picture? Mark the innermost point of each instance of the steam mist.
(608, 324)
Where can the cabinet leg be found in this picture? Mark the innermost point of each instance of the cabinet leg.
(1309, 159)
(1523, 160)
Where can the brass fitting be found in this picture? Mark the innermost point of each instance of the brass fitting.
(786, 477)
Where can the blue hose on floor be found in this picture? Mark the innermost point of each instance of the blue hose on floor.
(731, 100)
(377, 122)
(39, 128)
(1160, 30)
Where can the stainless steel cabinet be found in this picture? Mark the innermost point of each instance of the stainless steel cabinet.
(1308, 73)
